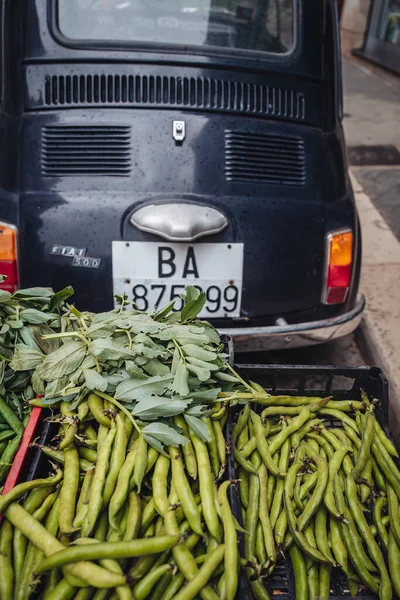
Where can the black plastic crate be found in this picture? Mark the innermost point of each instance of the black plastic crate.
(342, 383)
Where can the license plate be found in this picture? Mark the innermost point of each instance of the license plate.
(153, 274)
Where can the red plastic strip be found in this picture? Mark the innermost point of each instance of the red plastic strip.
(20, 456)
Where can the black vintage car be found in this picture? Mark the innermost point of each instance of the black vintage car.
(150, 144)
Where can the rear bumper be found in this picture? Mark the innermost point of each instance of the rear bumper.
(252, 339)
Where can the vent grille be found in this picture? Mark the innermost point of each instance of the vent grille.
(86, 150)
(264, 158)
(189, 92)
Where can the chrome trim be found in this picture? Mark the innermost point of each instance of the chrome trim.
(328, 238)
(252, 339)
(179, 221)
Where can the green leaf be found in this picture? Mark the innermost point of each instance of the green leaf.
(63, 361)
(15, 323)
(2, 371)
(54, 388)
(138, 323)
(202, 363)
(175, 360)
(38, 384)
(201, 373)
(210, 395)
(25, 359)
(37, 292)
(94, 381)
(165, 434)
(19, 382)
(35, 317)
(191, 294)
(193, 308)
(170, 332)
(150, 408)
(134, 371)
(133, 389)
(180, 385)
(156, 444)
(159, 316)
(108, 349)
(199, 353)
(5, 297)
(26, 334)
(49, 345)
(198, 428)
(200, 411)
(212, 333)
(60, 297)
(156, 367)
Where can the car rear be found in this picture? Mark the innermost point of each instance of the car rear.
(186, 155)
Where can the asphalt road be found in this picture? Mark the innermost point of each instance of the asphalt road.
(347, 351)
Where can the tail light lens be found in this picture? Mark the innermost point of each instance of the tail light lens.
(9, 256)
(338, 267)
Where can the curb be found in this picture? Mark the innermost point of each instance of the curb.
(380, 282)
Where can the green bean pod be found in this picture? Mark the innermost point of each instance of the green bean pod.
(262, 446)
(385, 589)
(188, 450)
(252, 512)
(97, 409)
(184, 491)
(96, 497)
(231, 557)
(117, 459)
(394, 562)
(365, 450)
(394, 515)
(69, 490)
(300, 573)
(379, 504)
(318, 493)
(265, 519)
(325, 572)
(6, 561)
(134, 519)
(241, 422)
(122, 487)
(140, 462)
(298, 536)
(207, 485)
(196, 585)
(277, 502)
(48, 544)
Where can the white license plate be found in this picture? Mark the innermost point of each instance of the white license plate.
(154, 274)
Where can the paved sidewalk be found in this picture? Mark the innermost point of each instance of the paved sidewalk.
(380, 282)
(371, 105)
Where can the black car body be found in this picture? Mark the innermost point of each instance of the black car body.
(135, 134)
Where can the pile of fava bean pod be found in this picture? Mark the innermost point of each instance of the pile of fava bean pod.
(319, 481)
(119, 519)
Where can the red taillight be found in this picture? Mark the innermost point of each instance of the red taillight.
(9, 257)
(338, 267)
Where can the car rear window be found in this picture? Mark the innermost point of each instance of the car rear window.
(265, 26)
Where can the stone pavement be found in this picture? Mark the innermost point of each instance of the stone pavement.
(372, 117)
(371, 105)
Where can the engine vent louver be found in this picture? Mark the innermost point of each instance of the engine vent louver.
(189, 92)
(262, 158)
(86, 150)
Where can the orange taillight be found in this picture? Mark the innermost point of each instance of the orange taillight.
(9, 256)
(339, 267)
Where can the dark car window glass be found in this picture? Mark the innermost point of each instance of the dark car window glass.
(255, 25)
